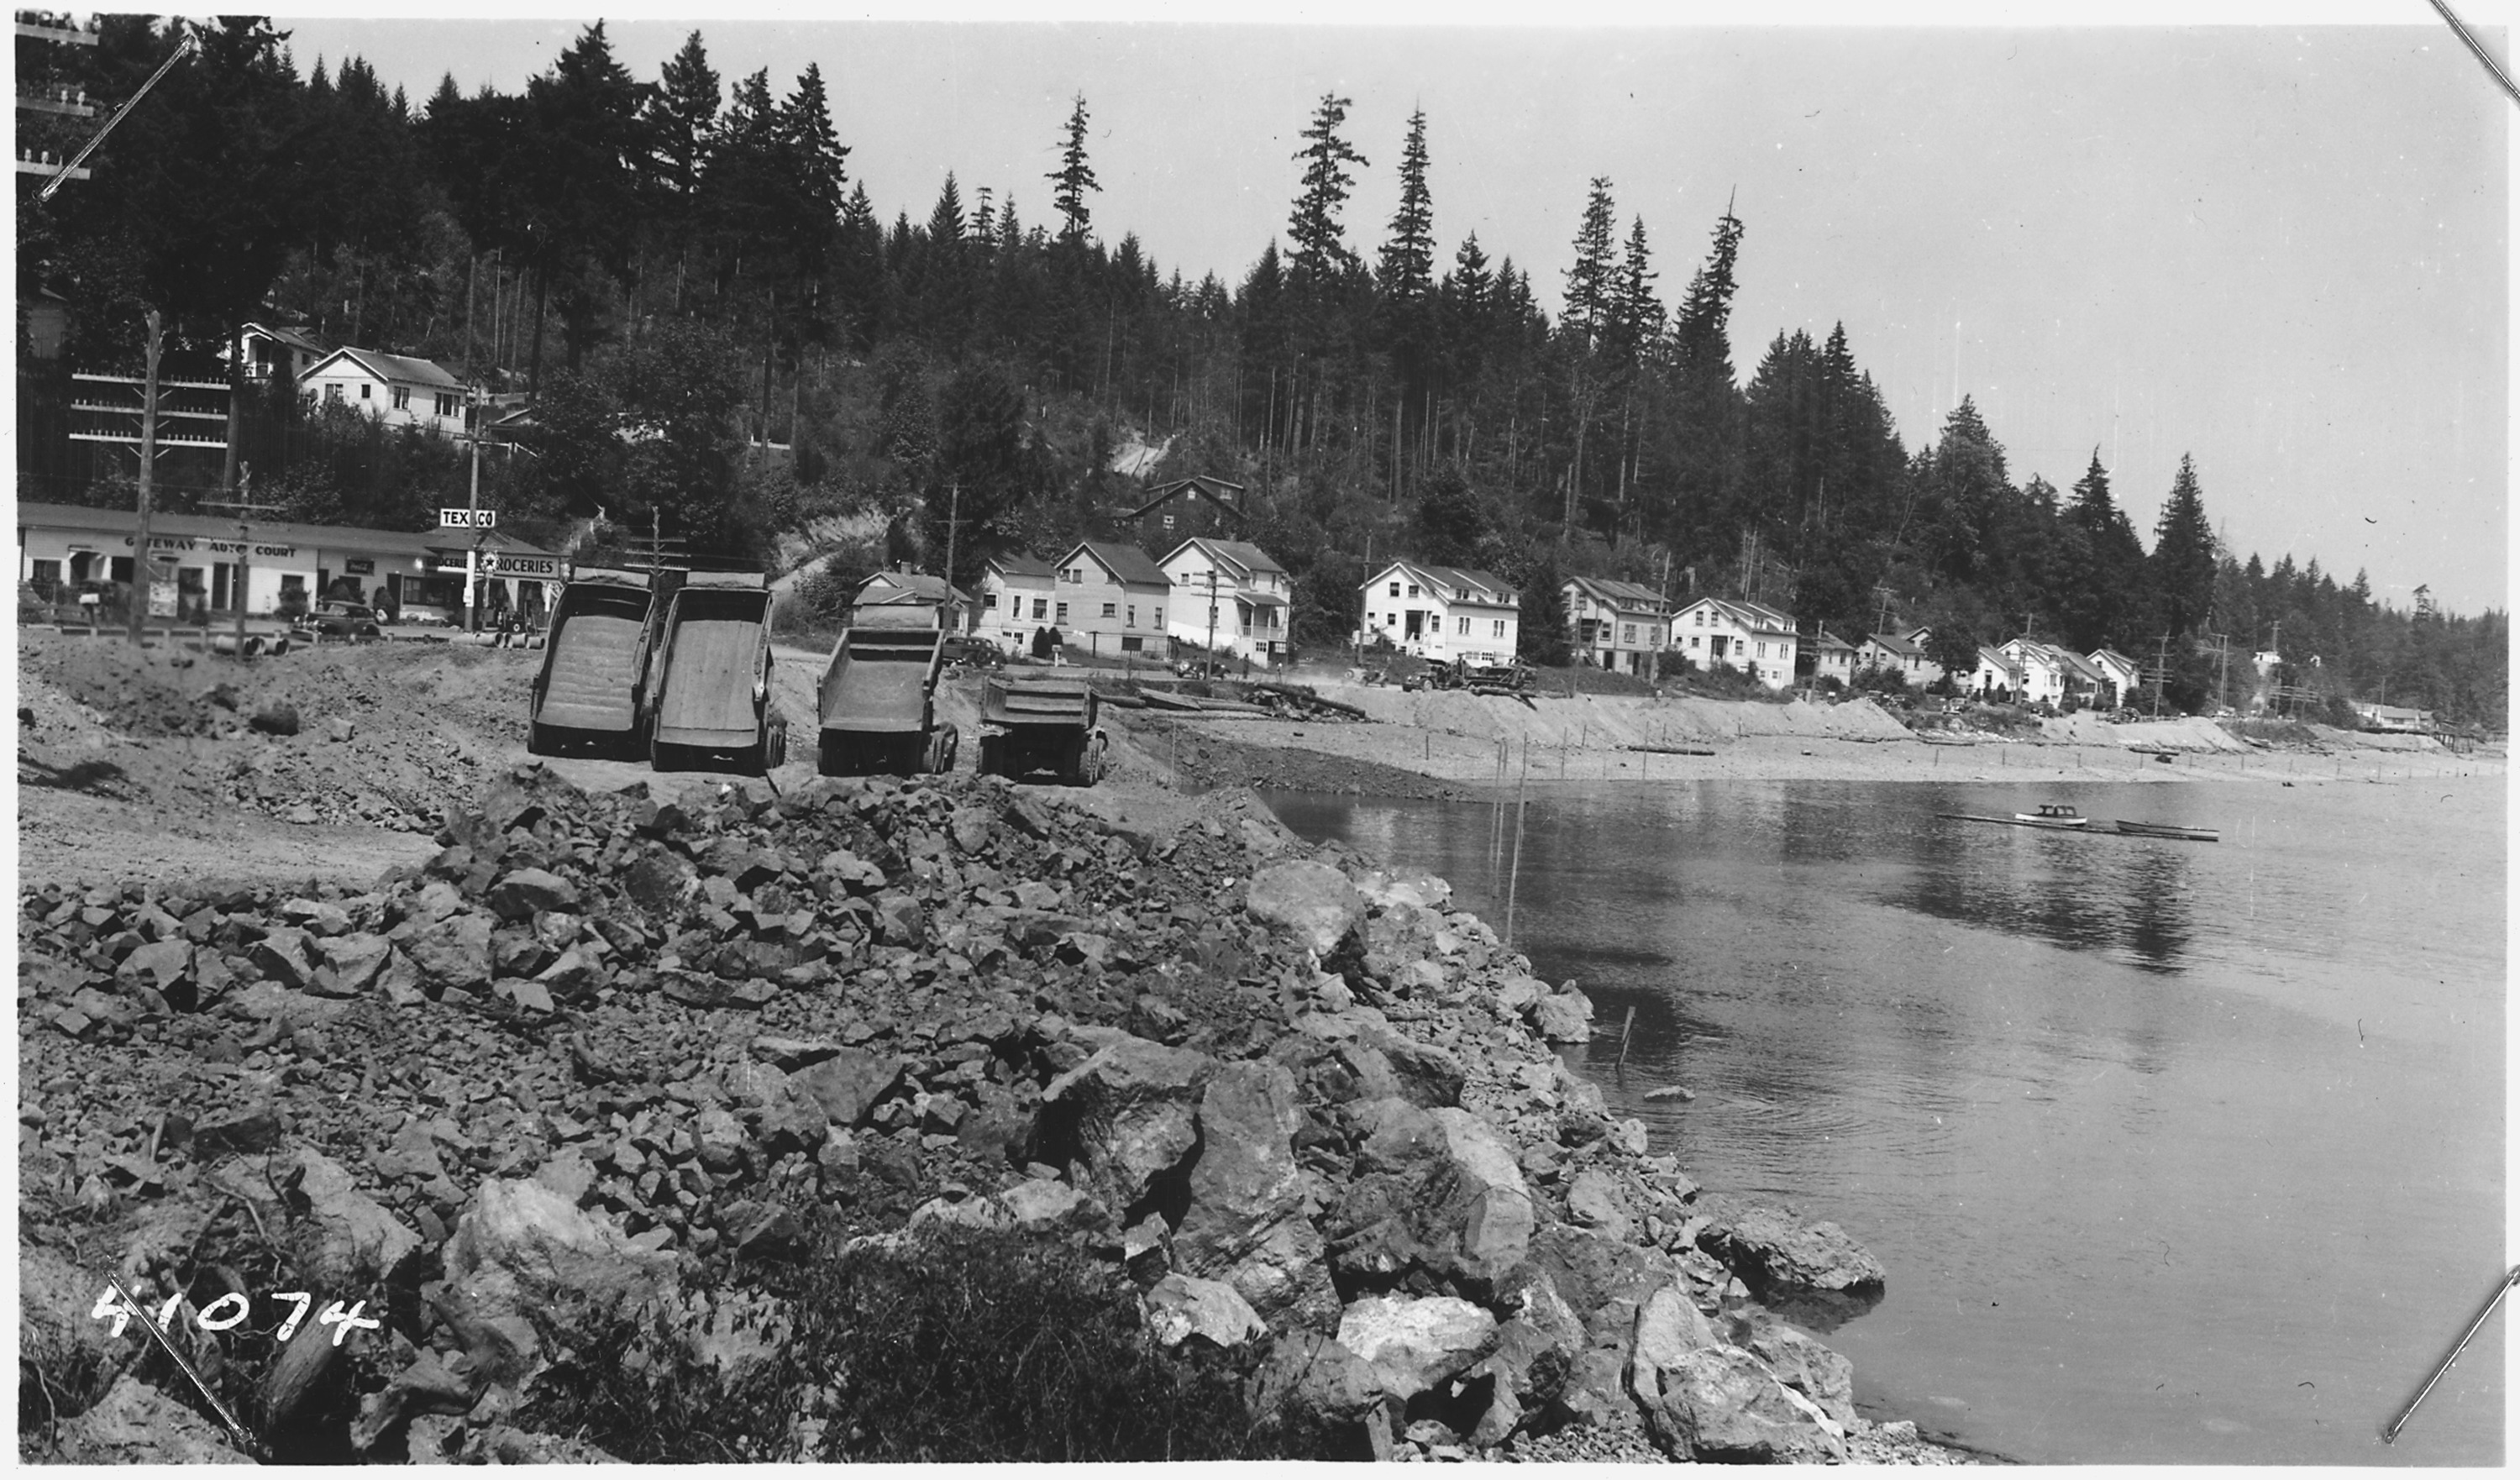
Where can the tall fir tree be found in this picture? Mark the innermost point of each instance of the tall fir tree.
(1409, 255)
(1591, 283)
(1074, 178)
(682, 112)
(2182, 563)
(1320, 253)
(1700, 331)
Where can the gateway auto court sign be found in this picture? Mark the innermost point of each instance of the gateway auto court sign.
(186, 544)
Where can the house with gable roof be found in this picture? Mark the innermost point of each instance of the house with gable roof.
(1831, 656)
(2123, 674)
(1442, 612)
(1230, 596)
(1617, 625)
(1758, 640)
(399, 389)
(915, 588)
(1108, 598)
(1186, 509)
(1015, 593)
(1995, 676)
(1902, 653)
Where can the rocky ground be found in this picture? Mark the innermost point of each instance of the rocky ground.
(586, 1047)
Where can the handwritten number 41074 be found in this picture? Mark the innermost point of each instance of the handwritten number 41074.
(230, 1309)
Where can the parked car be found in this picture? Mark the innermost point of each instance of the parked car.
(427, 616)
(340, 619)
(973, 651)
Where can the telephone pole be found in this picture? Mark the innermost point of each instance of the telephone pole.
(144, 584)
(245, 508)
(1211, 611)
(952, 528)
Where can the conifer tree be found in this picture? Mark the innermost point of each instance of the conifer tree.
(1072, 179)
(1637, 315)
(2181, 566)
(681, 110)
(1590, 283)
(1700, 332)
(1319, 255)
(1409, 256)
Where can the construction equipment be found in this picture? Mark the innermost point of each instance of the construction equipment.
(879, 696)
(1029, 725)
(591, 694)
(712, 706)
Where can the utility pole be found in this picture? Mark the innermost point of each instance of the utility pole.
(246, 510)
(143, 566)
(953, 528)
(472, 555)
(1211, 609)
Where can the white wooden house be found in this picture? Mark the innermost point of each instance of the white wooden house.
(1015, 594)
(1902, 653)
(1758, 640)
(1229, 597)
(2123, 674)
(1831, 656)
(1443, 613)
(1109, 600)
(398, 389)
(1996, 678)
(1618, 625)
(912, 588)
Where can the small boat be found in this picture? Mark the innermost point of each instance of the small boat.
(2049, 815)
(2170, 830)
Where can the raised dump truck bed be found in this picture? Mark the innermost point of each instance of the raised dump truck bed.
(591, 693)
(712, 709)
(877, 701)
(1030, 725)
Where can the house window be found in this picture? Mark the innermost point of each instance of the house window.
(1694, 642)
(1158, 618)
(1499, 627)
(1413, 588)
(989, 599)
(1395, 589)
(1062, 613)
(1702, 621)
(1168, 521)
(1133, 616)
(1763, 650)
(48, 574)
(1628, 633)
(1037, 608)
(1465, 627)
(1135, 644)
(402, 398)
(445, 404)
(1110, 609)
(332, 390)
(1392, 619)
(367, 392)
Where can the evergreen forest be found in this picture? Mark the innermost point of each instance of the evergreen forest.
(722, 337)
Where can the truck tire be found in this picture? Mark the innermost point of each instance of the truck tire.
(1088, 768)
(537, 739)
(942, 746)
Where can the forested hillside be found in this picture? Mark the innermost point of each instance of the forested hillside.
(726, 338)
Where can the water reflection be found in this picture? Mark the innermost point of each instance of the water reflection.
(2127, 897)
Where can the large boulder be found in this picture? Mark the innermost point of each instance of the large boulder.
(1722, 1405)
(1415, 1342)
(1181, 1307)
(1317, 1393)
(524, 1259)
(1537, 1348)
(1565, 1016)
(1799, 1361)
(1439, 1201)
(453, 952)
(1125, 1116)
(1312, 904)
(1246, 1221)
(358, 1243)
(849, 1084)
(1812, 1272)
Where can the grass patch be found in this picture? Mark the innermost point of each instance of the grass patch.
(965, 1348)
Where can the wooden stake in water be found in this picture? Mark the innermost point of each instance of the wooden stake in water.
(1513, 875)
(1625, 1028)
(2389, 1435)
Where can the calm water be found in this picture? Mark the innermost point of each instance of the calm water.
(2176, 1152)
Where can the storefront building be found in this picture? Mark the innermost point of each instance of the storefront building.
(66, 548)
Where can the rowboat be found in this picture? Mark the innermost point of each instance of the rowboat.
(2170, 830)
(2049, 815)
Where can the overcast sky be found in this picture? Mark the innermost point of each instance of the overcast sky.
(2282, 247)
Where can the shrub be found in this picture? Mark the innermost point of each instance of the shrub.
(963, 1348)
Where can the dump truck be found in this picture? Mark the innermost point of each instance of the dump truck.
(1031, 724)
(877, 701)
(591, 694)
(712, 707)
